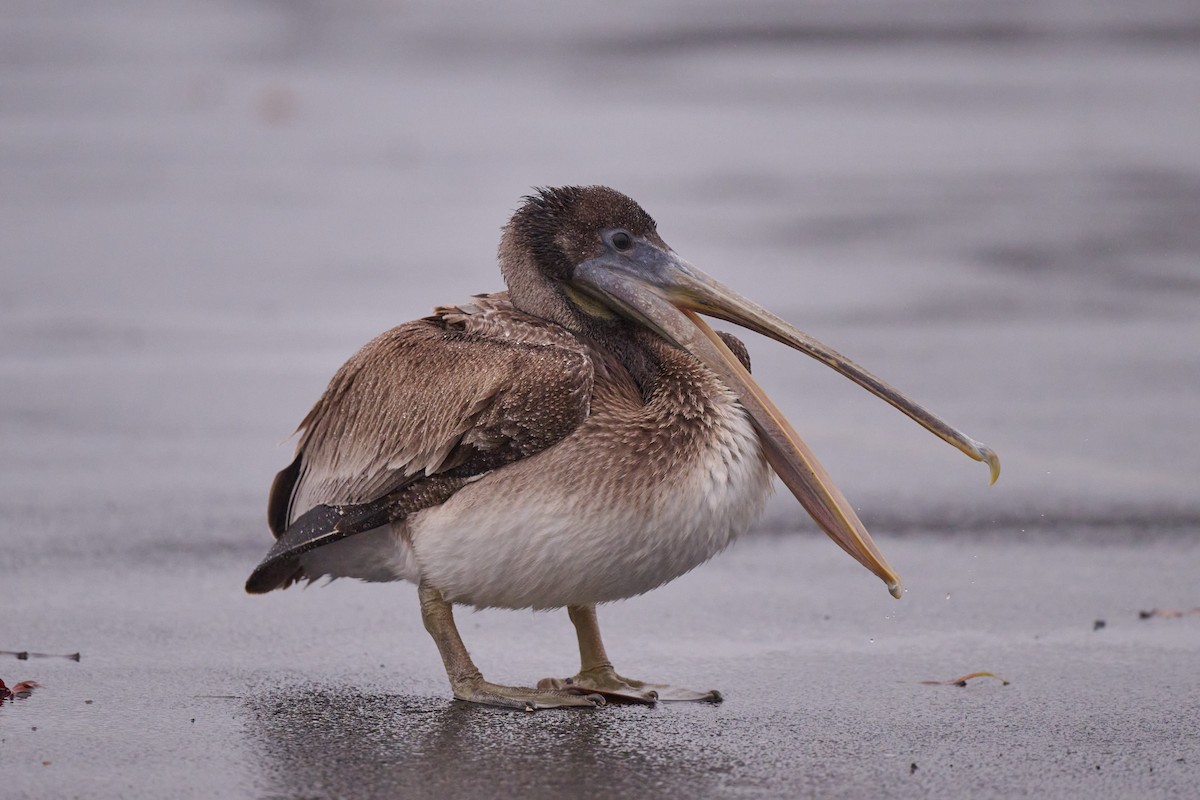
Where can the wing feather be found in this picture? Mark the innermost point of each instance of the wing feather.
(466, 390)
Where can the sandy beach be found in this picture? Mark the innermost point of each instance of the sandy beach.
(208, 207)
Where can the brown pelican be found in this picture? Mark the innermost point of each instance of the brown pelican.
(581, 438)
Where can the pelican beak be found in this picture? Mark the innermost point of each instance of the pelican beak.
(656, 288)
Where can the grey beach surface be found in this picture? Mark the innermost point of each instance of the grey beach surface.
(208, 207)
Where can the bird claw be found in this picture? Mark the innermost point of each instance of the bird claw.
(524, 699)
(606, 682)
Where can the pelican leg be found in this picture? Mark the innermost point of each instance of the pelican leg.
(465, 679)
(596, 673)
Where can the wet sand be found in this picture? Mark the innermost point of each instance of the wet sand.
(207, 209)
(197, 691)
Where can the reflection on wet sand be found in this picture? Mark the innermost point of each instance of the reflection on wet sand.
(320, 741)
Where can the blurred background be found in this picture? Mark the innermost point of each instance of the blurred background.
(993, 205)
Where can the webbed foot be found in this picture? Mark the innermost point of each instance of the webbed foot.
(606, 682)
(494, 694)
(466, 681)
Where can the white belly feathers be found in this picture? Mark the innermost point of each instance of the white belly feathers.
(572, 542)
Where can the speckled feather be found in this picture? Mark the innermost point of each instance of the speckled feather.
(483, 448)
(465, 391)
(658, 479)
(470, 387)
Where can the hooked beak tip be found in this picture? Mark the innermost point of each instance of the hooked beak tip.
(989, 457)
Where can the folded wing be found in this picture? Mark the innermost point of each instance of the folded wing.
(418, 412)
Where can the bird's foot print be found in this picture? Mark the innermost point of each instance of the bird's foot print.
(606, 682)
(524, 699)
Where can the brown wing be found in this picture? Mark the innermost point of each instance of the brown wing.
(419, 410)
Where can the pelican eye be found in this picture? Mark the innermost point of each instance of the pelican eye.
(622, 241)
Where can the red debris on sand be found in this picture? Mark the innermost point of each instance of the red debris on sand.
(21, 690)
(961, 680)
(1168, 613)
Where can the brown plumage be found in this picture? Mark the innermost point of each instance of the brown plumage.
(423, 408)
(581, 438)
